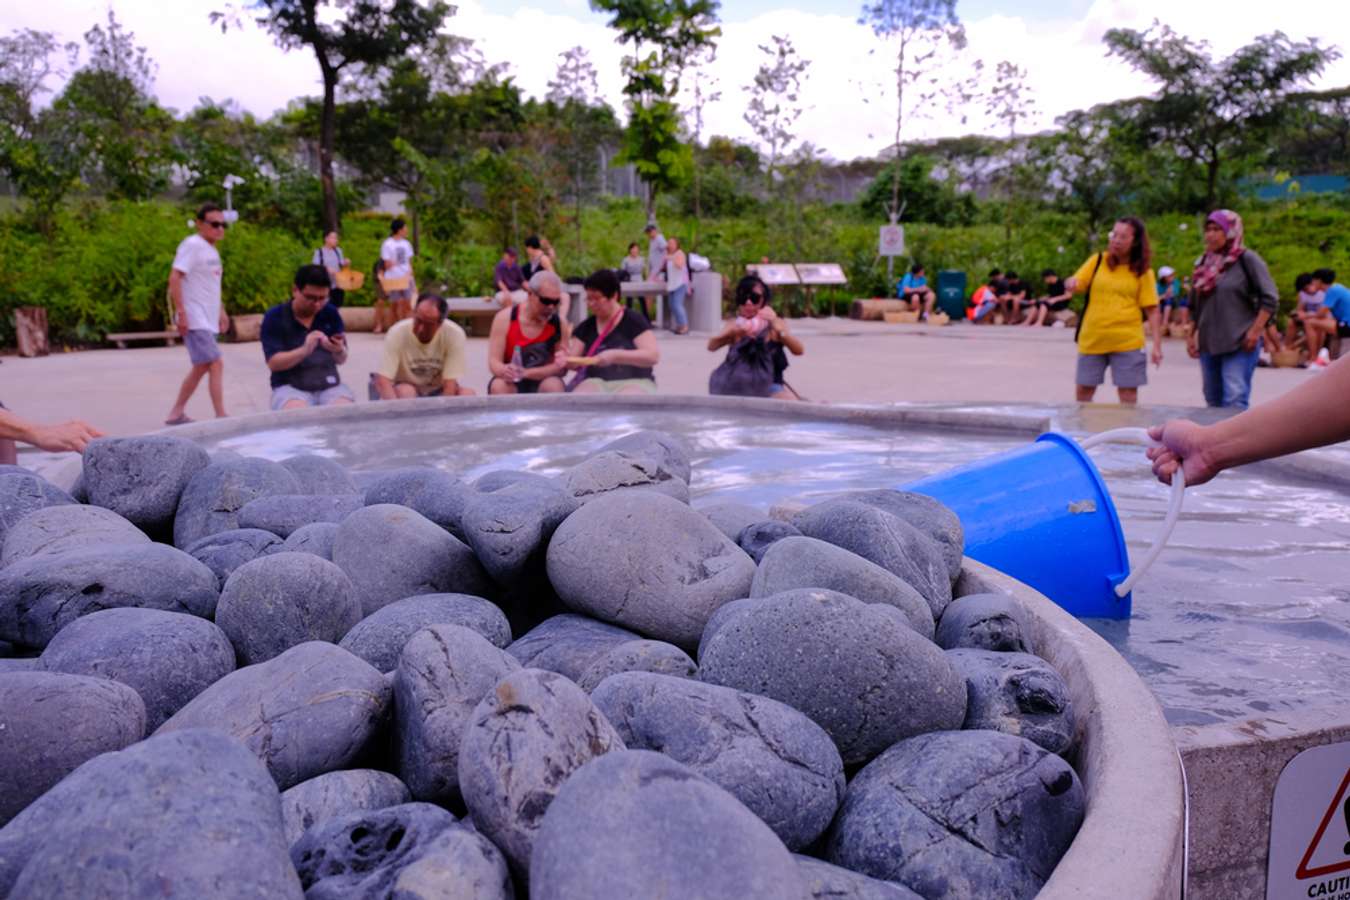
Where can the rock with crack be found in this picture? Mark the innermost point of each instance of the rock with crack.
(951, 813)
(311, 710)
(756, 539)
(889, 541)
(391, 552)
(379, 638)
(649, 563)
(853, 667)
(523, 740)
(1016, 693)
(316, 538)
(278, 601)
(568, 644)
(509, 529)
(51, 723)
(432, 493)
(803, 562)
(776, 761)
(638, 656)
(414, 851)
(669, 451)
(141, 478)
(639, 824)
(22, 494)
(985, 622)
(214, 495)
(328, 796)
(166, 657)
(731, 518)
(621, 473)
(224, 552)
(55, 529)
(319, 476)
(443, 674)
(284, 514)
(827, 882)
(42, 594)
(498, 479)
(188, 814)
(929, 516)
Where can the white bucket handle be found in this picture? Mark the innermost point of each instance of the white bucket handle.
(1140, 436)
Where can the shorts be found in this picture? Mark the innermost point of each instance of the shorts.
(613, 387)
(201, 346)
(283, 394)
(1178, 303)
(984, 309)
(1129, 369)
(1342, 329)
(1057, 306)
(523, 386)
(395, 296)
(373, 395)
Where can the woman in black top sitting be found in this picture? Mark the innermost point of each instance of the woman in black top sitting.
(750, 371)
(614, 350)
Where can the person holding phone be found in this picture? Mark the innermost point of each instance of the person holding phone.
(304, 342)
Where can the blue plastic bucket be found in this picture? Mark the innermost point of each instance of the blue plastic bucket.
(1042, 514)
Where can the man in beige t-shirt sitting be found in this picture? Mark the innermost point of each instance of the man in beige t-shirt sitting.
(423, 356)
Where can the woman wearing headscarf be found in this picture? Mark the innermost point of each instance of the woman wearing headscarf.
(1233, 297)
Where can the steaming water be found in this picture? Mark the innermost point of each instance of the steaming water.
(1247, 613)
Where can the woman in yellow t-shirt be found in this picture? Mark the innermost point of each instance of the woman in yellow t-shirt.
(1121, 290)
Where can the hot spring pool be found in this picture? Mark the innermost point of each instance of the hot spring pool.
(1246, 614)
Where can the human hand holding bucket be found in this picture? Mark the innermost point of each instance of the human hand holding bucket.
(1042, 514)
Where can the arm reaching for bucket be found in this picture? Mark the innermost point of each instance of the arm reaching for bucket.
(1313, 414)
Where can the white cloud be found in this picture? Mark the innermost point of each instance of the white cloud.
(1065, 59)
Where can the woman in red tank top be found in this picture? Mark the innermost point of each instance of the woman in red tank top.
(522, 345)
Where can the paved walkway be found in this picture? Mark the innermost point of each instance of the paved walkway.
(129, 391)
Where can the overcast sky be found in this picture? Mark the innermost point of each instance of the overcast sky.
(1059, 43)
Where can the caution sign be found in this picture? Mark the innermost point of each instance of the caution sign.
(1310, 827)
(891, 241)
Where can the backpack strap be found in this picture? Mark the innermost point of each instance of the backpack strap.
(1253, 297)
(1087, 297)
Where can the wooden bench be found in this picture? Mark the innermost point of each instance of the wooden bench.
(123, 338)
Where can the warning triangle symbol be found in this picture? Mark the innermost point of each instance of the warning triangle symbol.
(1340, 810)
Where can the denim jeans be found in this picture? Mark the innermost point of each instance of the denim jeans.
(1227, 377)
(677, 306)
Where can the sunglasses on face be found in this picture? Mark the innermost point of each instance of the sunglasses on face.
(550, 301)
(218, 223)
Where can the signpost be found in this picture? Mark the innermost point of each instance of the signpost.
(1310, 827)
(892, 241)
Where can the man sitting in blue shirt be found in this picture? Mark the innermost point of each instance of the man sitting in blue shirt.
(1332, 322)
(914, 290)
(303, 342)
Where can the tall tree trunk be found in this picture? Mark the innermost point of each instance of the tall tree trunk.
(327, 129)
(1212, 185)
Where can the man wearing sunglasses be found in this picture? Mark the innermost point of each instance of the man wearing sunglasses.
(524, 339)
(194, 287)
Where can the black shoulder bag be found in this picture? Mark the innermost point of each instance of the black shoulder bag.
(1087, 298)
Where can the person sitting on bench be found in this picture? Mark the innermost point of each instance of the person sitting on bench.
(524, 340)
(423, 356)
(914, 290)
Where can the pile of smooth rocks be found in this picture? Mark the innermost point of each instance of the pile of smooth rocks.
(229, 677)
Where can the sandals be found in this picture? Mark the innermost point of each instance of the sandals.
(181, 420)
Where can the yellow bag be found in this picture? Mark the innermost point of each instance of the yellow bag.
(350, 280)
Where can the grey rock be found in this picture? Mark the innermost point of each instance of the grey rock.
(168, 658)
(284, 514)
(568, 644)
(639, 824)
(757, 538)
(326, 797)
(226, 551)
(22, 494)
(391, 552)
(311, 710)
(320, 476)
(317, 539)
(278, 601)
(853, 667)
(647, 562)
(952, 813)
(985, 622)
(19, 664)
(187, 815)
(8, 469)
(213, 497)
(523, 740)
(444, 672)
(1016, 693)
(51, 723)
(670, 451)
(617, 472)
(931, 517)
(78, 492)
(724, 614)
(732, 518)
(803, 562)
(442, 501)
(509, 529)
(886, 540)
(414, 851)
(55, 529)
(827, 882)
(639, 656)
(497, 479)
(141, 478)
(379, 638)
(775, 760)
(401, 486)
(40, 595)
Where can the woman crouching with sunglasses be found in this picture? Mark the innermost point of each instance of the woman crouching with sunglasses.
(523, 343)
(757, 336)
(614, 351)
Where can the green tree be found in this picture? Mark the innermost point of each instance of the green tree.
(775, 102)
(1009, 102)
(1214, 112)
(926, 198)
(581, 124)
(362, 33)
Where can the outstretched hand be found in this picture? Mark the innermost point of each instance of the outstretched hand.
(1185, 446)
(72, 436)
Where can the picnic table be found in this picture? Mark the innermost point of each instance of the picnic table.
(627, 289)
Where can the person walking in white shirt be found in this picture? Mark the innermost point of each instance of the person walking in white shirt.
(396, 253)
(194, 288)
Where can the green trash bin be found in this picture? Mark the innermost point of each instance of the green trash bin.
(951, 293)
